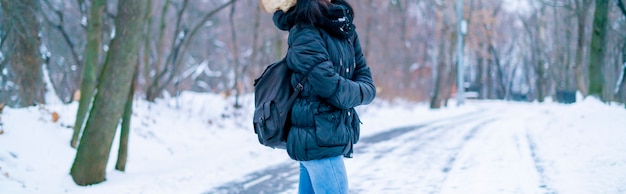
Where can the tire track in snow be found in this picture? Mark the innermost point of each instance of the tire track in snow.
(538, 165)
(284, 176)
(431, 152)
(430, 132)
(272, 180)
(452, 158)
(466, 139)
(537, 161)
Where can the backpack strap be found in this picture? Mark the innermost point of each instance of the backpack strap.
(300, 87)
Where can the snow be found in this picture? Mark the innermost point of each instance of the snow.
(197, 142)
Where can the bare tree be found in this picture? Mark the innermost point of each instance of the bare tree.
(113, 90)
(63, 37)
(621, 83)
(92, 53)
(22, 50)
(182, 37)
(235, 52)
(537, 61)
(597, 49)
(444, 73)
(122, 154)
(581, 10)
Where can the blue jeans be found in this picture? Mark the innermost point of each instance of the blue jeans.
(327, 175)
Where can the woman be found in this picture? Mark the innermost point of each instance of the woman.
(323, 42)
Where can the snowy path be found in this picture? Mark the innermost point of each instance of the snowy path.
(427, 154)
(284, 177)
(492, 150)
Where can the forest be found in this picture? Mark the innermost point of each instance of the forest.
(104, 54)
(513, 49)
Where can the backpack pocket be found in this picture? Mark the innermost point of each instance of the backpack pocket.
(330, 130)
(268, 125)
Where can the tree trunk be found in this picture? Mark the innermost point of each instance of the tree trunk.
(122, 153)
(92, 52)
(369, 26)
(480, 76)
(597, 51)
(113, 89)
(145, 65)
(435, 99)
(500, 91)
(621, 83)
(451, 68)
(540, 72)
(441, 72)
(569, 76)
(160, 49)
(621, 87)
(236, 69)
(541, 81)
(489, 78)
(579, 68)
(23, 53)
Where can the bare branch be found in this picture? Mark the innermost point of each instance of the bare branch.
(235, 54)
(5, 35)
(621, 80)
(82, 7)
(59, 27)
(18, 23)
(622, 7)
(206, 18)
(180, 48)
(2, 41)
(172, 58)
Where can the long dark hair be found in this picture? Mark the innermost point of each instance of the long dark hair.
(312, 11)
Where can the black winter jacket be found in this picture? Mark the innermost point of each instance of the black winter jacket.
(324, 122)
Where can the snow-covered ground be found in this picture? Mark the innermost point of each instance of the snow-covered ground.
(198, 144)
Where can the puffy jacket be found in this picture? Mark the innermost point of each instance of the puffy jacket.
(324, 122)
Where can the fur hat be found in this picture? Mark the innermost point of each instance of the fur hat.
(270, 6)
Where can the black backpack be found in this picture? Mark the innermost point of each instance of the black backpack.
(273, 98)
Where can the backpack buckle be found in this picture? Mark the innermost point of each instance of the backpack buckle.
(300, 87)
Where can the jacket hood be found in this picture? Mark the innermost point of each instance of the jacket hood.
(271, 6)
(337, 20)
(284, 20)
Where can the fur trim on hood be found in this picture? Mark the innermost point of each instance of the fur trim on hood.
(270, 6)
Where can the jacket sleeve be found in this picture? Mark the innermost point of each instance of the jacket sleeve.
(283, 20)
(359, 90)
(308, 52)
